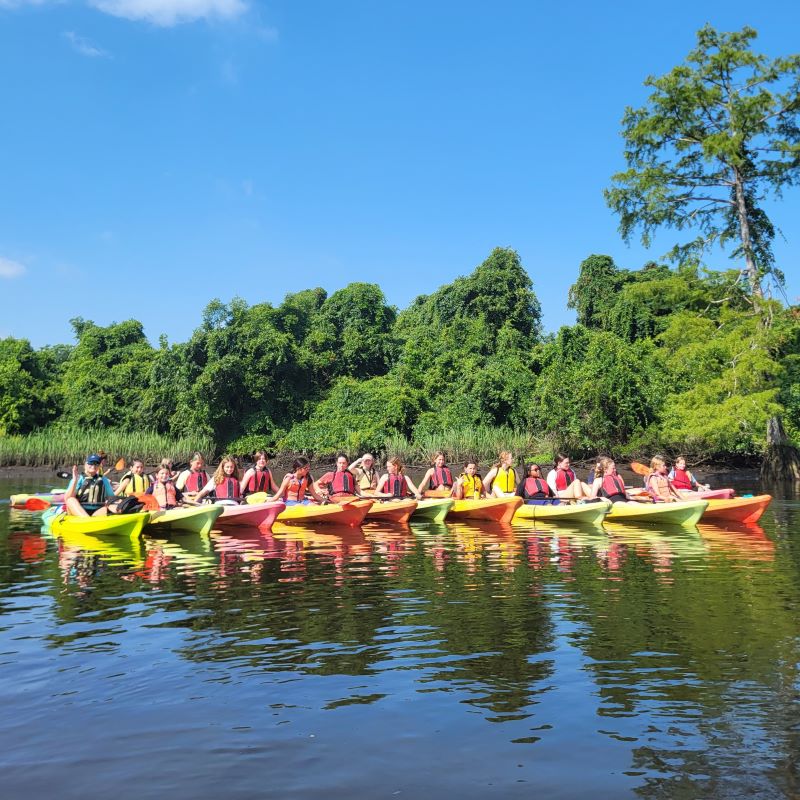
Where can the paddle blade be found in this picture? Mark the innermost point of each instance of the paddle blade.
(639, 468)
(150, 502)
(120, 464)
(37, 504)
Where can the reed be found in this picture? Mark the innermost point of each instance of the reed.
(458, 444)
(65, 446)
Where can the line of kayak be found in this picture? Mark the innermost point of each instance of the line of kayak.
(202, 519)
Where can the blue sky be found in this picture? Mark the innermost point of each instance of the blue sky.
(155, 154)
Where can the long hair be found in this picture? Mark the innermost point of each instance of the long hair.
(299, 463)
(219, 474)
(397, 463)
(602, 465)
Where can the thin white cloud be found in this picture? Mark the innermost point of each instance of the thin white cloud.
(83, 46)
(167, 13)
(11, 269)
(19, 3)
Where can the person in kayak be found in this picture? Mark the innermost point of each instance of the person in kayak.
(438, 480)
(339, 484)
(192, 480)
(366, 473)
(296, 484)
(259, 477)
(608, 484)
(683, 480)
(563, 481)
(469, 485)
(534, 490)
(166, 493)
(88, 495)
(134, 481)
(225, 484)
(394, 483)
(501, 479)
(658, 484)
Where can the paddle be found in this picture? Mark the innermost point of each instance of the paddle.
(120, 464)
(37, 504)
(639, 468)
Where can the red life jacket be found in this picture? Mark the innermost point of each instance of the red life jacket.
(165, 494)
(536, 489)
(441, 477)
(342, 483)
(681, 480)
(296, 488)
(196, 481)
(228, 489)
(260, 481)
(564, 477)
(396, 485)
(613, 486)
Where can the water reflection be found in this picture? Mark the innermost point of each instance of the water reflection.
(669, 654)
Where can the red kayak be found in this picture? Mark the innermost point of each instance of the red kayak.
(256, 515)
(737, 509)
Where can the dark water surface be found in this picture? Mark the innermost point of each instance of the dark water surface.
(430, 661)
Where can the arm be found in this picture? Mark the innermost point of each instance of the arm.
(597, 483)
(180, 481)
(314, 493)
(551, 481)
(410, 485)
(356, 463)
(281, 491)
(207, 489)
(425, 483)
(245, 478)
(72, 488)
(490, 476)
(123, 484)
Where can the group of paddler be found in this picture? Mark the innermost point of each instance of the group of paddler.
(91, 493)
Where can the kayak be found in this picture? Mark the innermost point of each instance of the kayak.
(498, 509)
(19, 500)
(351, 514)
(709, 494)
(686, 513)
(257, 515)
(59, 521)
(737, 509)
(197, 519)
(588, 513)
(398, 511)
(432, 509)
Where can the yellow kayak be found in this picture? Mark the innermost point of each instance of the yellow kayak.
(685, 513)
(109, 525)
(197, 519)
(586, 513)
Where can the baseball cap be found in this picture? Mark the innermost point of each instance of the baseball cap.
(94, 459)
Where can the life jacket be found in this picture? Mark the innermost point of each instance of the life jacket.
(367, 480)
(441, 477)
(166, 494)
(137, 484)
(260, 481)
(296, 489)
(681, 479)
(396, 485)
(613, 486)
(658, 486)
(536, 489)
(472, 485)
(564, 477)
(92, 491)
(196, 481)
(342, 483)
(506, 480)
(228, 489)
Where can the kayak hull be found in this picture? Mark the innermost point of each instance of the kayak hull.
(432, 509)
(737, 509)
(350, 515)
(397, 511)
(256, 515)
(198, 519)
(496, 509)
(585, 513)
(109, 525)
(19, 500)
(686, 513)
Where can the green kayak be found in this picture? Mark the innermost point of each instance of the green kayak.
(432, 509)
(686, 513)
(584, 513)
(199, 519)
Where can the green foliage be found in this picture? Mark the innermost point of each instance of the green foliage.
(718, 134)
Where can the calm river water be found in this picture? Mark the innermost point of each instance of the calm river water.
(431, 661)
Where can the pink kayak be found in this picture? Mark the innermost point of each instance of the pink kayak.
(256, 515)
(710, 494)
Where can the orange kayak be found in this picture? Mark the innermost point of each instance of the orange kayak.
(499, 509)
(392, 511)
(737, 509)
(350, 514)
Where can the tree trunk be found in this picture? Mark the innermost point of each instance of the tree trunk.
(782, 460)
(744, 232)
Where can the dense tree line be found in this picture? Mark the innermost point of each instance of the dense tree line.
(660, 358)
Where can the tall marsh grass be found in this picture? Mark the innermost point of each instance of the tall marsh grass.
(65, 446)
(459, 444)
